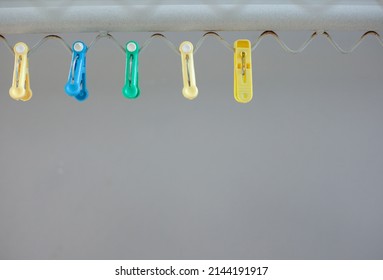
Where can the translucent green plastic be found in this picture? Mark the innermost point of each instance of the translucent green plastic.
(131, 89)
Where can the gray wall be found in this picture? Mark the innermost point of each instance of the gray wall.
(295, 174)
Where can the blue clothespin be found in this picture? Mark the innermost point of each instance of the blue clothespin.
(76, 85)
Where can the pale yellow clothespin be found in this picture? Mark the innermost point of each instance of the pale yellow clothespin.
(190, 90)
(20, 89)
(243, 77)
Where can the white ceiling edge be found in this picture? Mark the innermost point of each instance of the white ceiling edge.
(18, 20)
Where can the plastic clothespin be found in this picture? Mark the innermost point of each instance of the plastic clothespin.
(243, 77)
(131, 89)
(20, 89)
(190, 90)
(76, 85)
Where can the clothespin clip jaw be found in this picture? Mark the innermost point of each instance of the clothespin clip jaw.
(243, 77)
(190, 90)
(131, 89)
(76, 85)
(20, 89)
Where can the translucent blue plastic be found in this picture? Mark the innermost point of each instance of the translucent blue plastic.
(76, 85)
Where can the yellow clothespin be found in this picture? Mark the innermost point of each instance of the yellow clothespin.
(190, 90)
(20, 89)
(243, 77)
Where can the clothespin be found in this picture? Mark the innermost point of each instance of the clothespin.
(76, 85)
(243, 77)
(20, 89)
(131, 89)
(190, 90)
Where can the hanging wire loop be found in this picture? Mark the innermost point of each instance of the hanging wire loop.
(227, 45)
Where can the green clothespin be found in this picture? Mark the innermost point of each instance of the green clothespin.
(131, 89)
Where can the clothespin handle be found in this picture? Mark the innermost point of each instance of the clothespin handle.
(190, 90)
(243, 77)
(20, 89)
(131, 89)
(76, 85)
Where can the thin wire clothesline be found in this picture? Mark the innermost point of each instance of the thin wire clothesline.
(215, 35)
